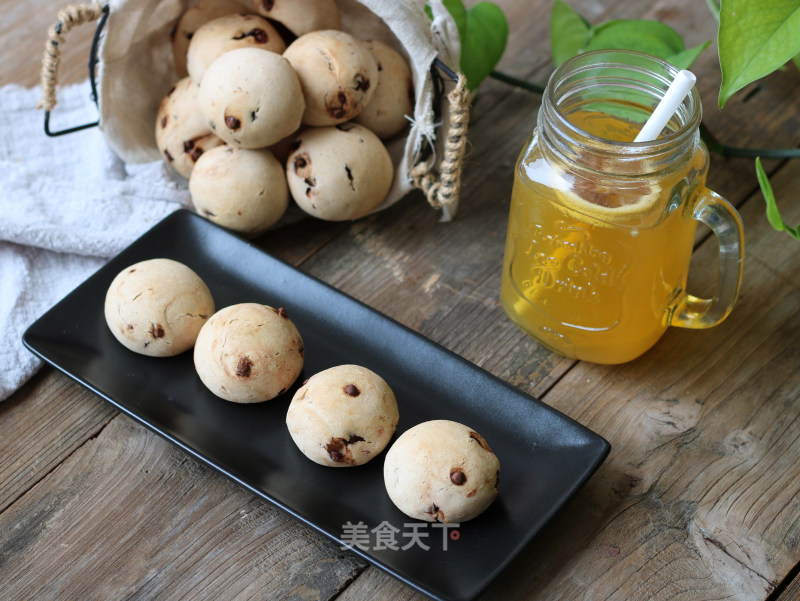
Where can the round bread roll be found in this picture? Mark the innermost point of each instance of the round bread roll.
(342, 416)
(248, 353)
(157, 307)
(199, 14)
(300, 16)
(441, 471)
(337, 73)
(251, 98)
(227, 33)
(242, 190)
(182, 133)
(339, 173)
(393, 99)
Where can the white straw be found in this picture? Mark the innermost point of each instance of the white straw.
(678, 89)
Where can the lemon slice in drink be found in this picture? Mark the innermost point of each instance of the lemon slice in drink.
(596, 204)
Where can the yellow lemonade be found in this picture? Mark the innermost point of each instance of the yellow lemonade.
(595, 271)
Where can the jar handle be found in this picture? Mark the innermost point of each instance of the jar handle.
(724, 221)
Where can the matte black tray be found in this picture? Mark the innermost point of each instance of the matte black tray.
(544, 455)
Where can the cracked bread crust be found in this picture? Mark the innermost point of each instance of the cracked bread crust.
(249, 353)
(343, 416)
(441, 471)
(157, 307)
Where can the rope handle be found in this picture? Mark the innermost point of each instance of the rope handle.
(68, 17)
(444, 190)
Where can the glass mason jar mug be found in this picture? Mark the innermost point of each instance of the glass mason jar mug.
(601, 229)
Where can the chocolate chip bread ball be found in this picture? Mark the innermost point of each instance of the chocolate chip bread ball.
(441, 471)
(337, 73)
(157, 307)
(393, 100)
(182, 132)
(342, 416)
(300, 16)
(339, 173)
(242, 190)
(199, 14)
(248, 353)
(227, 33)
(251, 98)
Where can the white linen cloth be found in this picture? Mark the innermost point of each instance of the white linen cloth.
(67, 204)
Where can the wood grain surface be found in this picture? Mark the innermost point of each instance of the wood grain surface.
(699, 498)
(42, 424)
(24, 35)
(127, 509)
(792, 587)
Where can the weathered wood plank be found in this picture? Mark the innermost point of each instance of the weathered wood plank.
(130, 516)
(40, 425)
(792, 590)
(375, 584)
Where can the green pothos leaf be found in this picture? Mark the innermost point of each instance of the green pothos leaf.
(458, 11)
(713, 8)
(483, 32)
(651, 37)
(483, 43)
(685, 58)
(569, 32)
(755, 39)
(773, 214)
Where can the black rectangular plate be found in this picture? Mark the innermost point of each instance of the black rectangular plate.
(544, 455)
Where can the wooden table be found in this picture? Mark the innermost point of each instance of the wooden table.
(697, 500)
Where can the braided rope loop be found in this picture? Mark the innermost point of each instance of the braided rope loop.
(444, 190)
(68, 17)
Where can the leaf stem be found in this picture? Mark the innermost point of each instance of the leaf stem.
(714, 8)
(519, 83)
(711, 141)
(734, 152)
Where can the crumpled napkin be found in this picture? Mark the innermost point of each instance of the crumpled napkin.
(67, 204)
